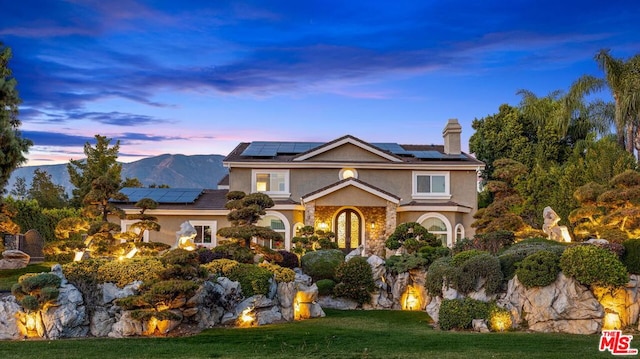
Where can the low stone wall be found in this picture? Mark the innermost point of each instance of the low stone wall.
(215, 303)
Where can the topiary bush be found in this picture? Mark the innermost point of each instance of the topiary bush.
(281, 274)
(405, 262)
(253, 279)
(234, 250)
(289, 260)
(126, 271)
(412, 236)
(321, 264)
(539, 269)
(35, 291)
(591, 265)
(437, 273)
(480, 266)
(511, 256)
(220, 267)
(430, 253)
(462, 257)
(631, 257)
(325, 286)
(493, 242)
(355, 280)
(459, 313)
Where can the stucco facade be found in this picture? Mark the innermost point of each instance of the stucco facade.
(359, 190)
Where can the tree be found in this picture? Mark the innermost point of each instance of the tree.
(19, 189)
(43, 190)
(623, 80)
(245, 211)
(610, 211)
(145, 222)
(100, 162)
(132, 182)
(12, 145)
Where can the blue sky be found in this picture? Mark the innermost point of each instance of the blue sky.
(197, 77)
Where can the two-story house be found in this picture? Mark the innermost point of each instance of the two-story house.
(359, 190)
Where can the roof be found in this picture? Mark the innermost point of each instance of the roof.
(351, 182)
(207, 199)
(283, 151)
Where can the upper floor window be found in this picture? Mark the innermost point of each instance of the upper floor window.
(348, 173)
(431, 185)
(275, 183)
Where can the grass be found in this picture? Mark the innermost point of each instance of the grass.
(10, 276)
(341, 334)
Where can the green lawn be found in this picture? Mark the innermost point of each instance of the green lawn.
(341, 334)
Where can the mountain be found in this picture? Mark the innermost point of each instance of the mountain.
(176, 171)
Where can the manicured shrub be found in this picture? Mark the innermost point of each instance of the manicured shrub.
(220, 267)
(462, 245)
(181, 257)
(206, 255)
(325, 286)
(459, 313)
(33, 290)
(355, 280)
(61, 251)
(462, 257)
(321, 264)
(83, 272)
(412, 236)
(126, 271)
(289, 260)
(493, 242)
(631, 257)
(508, 263)
(591, 265)
(405, 262)
(281, 274)
(437, 273)
(539, 269)
(481, 266)
(432, 253)
(253, 279)
(235, 251)
(510, 257)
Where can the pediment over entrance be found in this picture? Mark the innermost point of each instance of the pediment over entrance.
(351, 192)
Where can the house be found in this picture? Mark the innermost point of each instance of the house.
(359, 190)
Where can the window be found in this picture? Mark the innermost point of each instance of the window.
(431, 185)
(348, 173)
(459, 232)
(275, 183)
(205, 233)
(125, 225)
(436, 227)
(275, 224)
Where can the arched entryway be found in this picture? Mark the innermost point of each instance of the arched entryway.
(348, 229)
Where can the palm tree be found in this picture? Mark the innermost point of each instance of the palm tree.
(567, 114)
(623, 79)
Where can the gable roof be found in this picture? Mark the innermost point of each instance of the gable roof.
(348, 139)
(298, 152)
(351, 182)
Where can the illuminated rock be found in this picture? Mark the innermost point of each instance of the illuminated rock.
(8, 321)
(14, 259)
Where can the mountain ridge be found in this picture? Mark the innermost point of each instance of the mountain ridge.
(174, 170)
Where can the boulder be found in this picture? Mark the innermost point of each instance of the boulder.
(8, 321)
(68, 318)
(564, 306)
(111, 292)
(14, 259)
(330, 302)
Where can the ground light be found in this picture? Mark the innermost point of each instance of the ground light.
(412, 298)
(247, 318)
(614, 304)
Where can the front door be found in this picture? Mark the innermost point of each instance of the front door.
(348, 227)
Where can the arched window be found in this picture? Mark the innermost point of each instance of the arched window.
(276, 224)
(459, 231)
(438, 225)
(348, 173)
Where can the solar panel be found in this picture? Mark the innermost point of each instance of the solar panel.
(270, 149)
(392, 147)
(162, 195)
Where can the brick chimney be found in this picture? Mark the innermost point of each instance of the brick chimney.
(451, 135)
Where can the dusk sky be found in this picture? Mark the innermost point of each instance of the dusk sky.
(198, 77)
